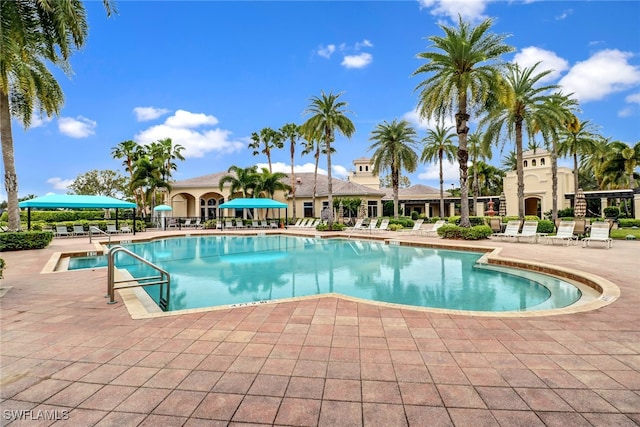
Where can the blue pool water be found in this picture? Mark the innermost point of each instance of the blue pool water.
(226, 270)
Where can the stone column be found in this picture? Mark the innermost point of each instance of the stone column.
(452, 208)
(480, 208)
(636, 205)
(603, 204)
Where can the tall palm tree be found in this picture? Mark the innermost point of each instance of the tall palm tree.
(464, 73)
(167, 153)
(270, 182)
(438, 144)
(327, 118)
(33, 34)
(478, 149)
(130, 152)
(267, 139)
(509, 162)
(576, 140)
(489, 179)
(394, 147)
(619, 168)
(244, 180)
(291, 131)
(313, 145)
(521, 108)
(147, 176)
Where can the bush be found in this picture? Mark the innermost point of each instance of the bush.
(3, 265)
(474, 220)
(450, 231)
(628, 222)
(545, 226)
(404, 222)
(210, 223)
(335, 227)
(395, 227)
(23, 240)
(414, 215)
(611, 212)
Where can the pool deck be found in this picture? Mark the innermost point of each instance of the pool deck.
(325, 361)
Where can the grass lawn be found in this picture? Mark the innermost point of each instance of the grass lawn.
(621, 233)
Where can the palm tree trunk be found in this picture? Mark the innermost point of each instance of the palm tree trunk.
(520, 170)
(441, 186)
(395, 182)
(576, 182)
(476, 187)
(10, 175)
(330, 183)
(315, 182)
(554, 181)
(463, 157)
(293, 181)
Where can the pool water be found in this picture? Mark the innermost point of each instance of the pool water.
(226, 270)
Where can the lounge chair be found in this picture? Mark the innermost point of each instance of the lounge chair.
(372, 225)
(125, 229)
(599, 233)
(433, 231)
(274, 224)
(228, 224)
(187, 223)
(357, 226)
(314, 223)
(198, 223)
(298, 222)
(255, 223)
(264, 223)
(416, 227)
(61, 231)
(529, 231)
(512, 230)
(111, 229)
(240, 224)
(172, 223)
(564, 234)
(384, 224)
(78, 230)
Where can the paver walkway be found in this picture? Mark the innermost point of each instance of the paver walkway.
(65, 353)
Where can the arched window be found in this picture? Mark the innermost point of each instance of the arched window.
(533, 162)
(360, 168)
(211, 202)
(202, 202)
(366, 168)
(526, 164)
(542, 161)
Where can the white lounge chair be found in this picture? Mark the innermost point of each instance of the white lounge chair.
(187, 223)
(433, 231)
(512, 230)
(61, 231)
(125, 229)
(264, 223)
(111, 229)
(357, 226)
(298, 222)
(384, 224)
(416, 227)
(564, 234)
(78, 230)
(529, 231)
(239, 224)
(255, 223)
(372, 225)
(599, 233)
(228, 223)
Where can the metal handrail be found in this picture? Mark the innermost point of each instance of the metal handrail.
(163, 279)
(93, 228)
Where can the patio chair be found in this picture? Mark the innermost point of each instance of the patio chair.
(111, 229)
(255, 223)
(599, 233)
(125, 229)
(172, 223)
(433, 231)
(416, 227)
(78, 230)
(529, 231)
(187, 223)
(496, 224)
(298, 222)
(384, 224)
(274, 224)
(264, 223)
(564, 234)
(581, 227)
(198, 223)
(61, 231)
(240, 224)
(512, 230)
(372, 225)
(356, 227)
(228, 223)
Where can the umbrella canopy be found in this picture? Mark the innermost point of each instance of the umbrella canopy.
(253, 203)
(163, 208)
(502, 209)
(76, 201)
(580, 204)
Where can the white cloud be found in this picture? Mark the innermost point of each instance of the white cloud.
(633, 98)
(357, 61)
(413, 117)
(59, 183)
(339, 171)
(144, 114)
(450, 173)
(469, 9)
(197, 142)
(605, 72)
(38, 120)
(363, 43)
(531, 55)
(565, 14)
(627, 112)
(326, 51)
(80, 127)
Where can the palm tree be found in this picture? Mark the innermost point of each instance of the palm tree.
(523, 107)
(147, 176)
(33, 34)
(576, 140)
(510, 162)
(167, 153)
(438, 144)
(619, 168)
(395, 150)
(328, 116)
(130, 152)
(313, 145)
(489, 179)
(267, 139)
(270, 182)
(291, 131)
(464, 75)
(478, 148)
(244, 180)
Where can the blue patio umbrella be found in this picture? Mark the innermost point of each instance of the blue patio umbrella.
(163, 209)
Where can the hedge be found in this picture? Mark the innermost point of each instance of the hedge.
(23, 240)
(628, 222)
(478, 232)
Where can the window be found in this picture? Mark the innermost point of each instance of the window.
(533, 162)
(366, 168)
(372, 209)
(542, 162)
(307, 207)
(360, 168)
(211, 202)
(526, 164)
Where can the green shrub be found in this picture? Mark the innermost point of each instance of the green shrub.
(395, 227)
(414, 215)
(403, 221)
(545, 226)
(628, 222)
(210, 223)
(611, 212)
(474, 220)
(3, 265)
(477, 232)
(23, 240)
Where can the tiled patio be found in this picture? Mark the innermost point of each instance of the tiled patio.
(323, 361)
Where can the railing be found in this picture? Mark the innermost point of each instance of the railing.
(95, 230)
(163, 279)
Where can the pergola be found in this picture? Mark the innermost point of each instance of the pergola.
(75, 201)
(257, 203)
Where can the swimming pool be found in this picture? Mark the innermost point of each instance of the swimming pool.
(226, 270)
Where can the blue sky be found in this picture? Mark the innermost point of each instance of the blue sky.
(209, 73)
